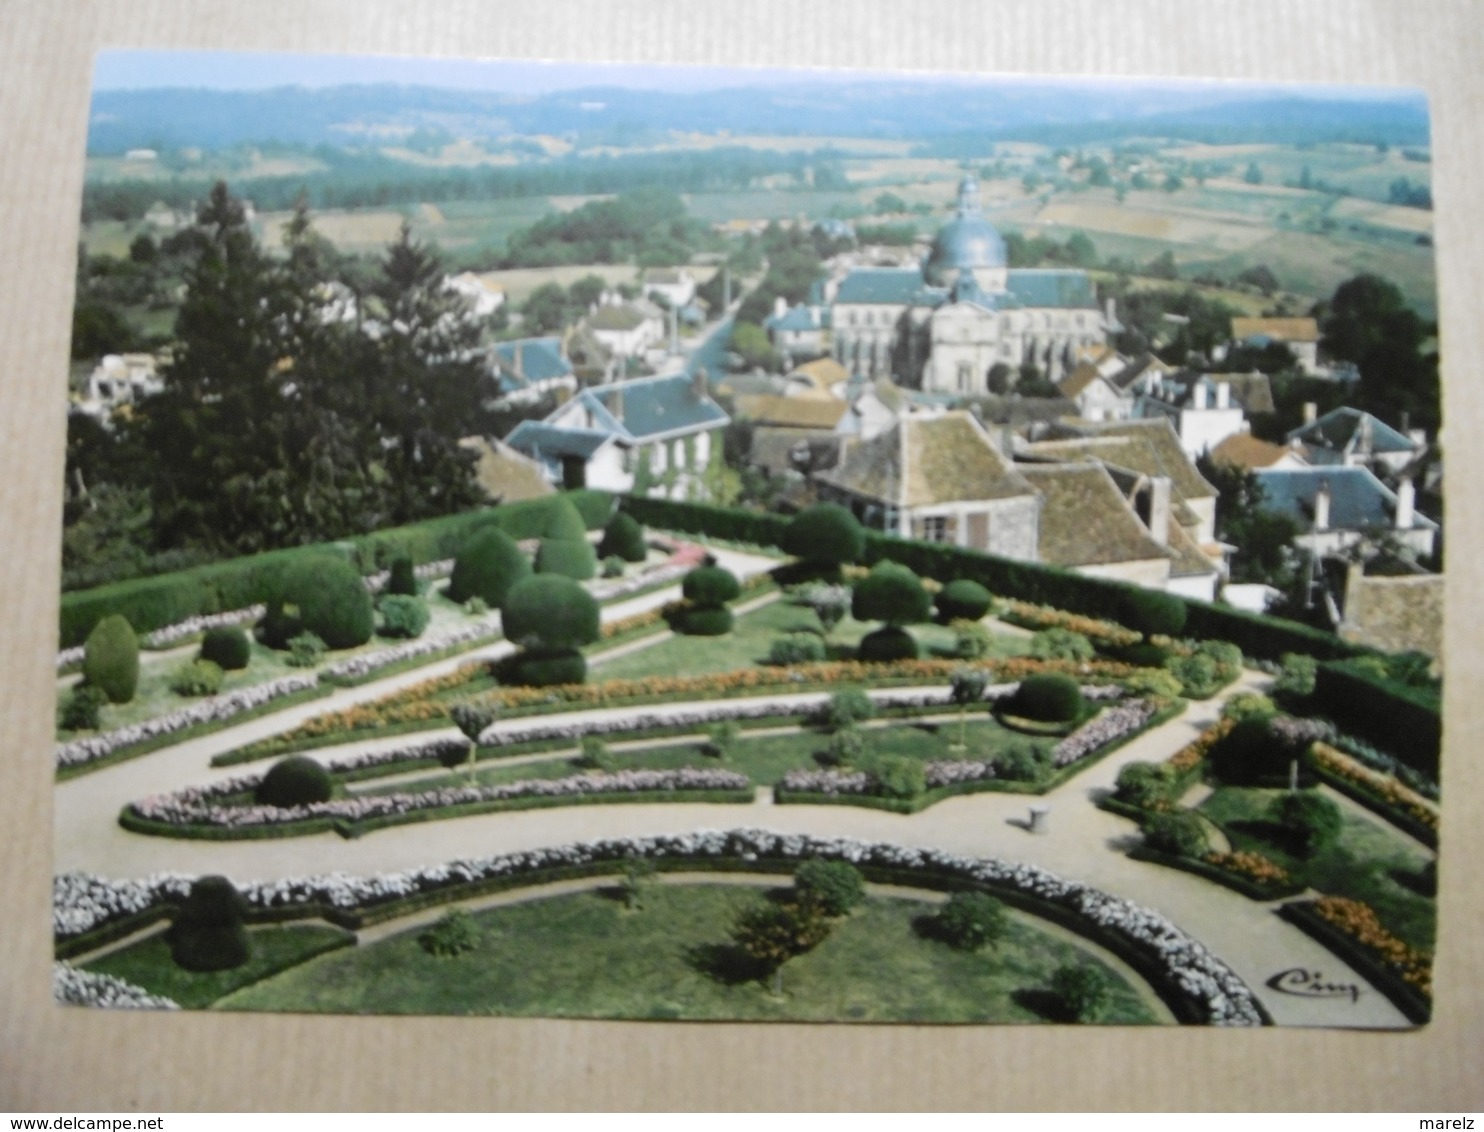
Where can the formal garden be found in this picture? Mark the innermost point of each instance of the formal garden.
(621, 661)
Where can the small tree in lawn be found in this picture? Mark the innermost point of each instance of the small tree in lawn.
(830, 603)
(966, 686)
(550, 617)
(970, 920)
(892, 594)
(825, 536)
(1081, 990)
(472, 717)
(771, 934)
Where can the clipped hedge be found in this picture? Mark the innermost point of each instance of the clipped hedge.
(623, 538)
(963, 600)
(111, 662)
(227, 647)
(486, 567)
(1402, 720)
(888, 644)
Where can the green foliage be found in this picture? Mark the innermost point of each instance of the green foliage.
(227, 647)
(547, 669)
(846, 746)
(1250, 753)
(1152, 682)
(897, 776)
(710, 586)
(1181, 833)
(1152, 612)
(1312, 820)
(796, 648)
(403, 615)
(80, 711)
(825, 534)
(1061, 644)
(197, 678)
(750, 341)
(638, 879)
(887, 644)
(207, 933)
(771, 933)
(595, 754)
(1402, 719)
(1248, 705)
(473, 717)
(1083, 991)
(453, 934)
(971, 640)
(963, 600)
(402, 579)
(848, 707)
(612, 567)
(487, 567)
(550, 612)
(111, 660)
(891, 593)
(570, 558)
(295, 781)
(834, 887)
(476, 606)
(1047, 697)
(306, 650)
(971, 920)
(1022, 763)
(830, 603)
(279, 626)
(722, 739)
(332, 600)
(703, 621)
(1207, 669)
(1146, 785)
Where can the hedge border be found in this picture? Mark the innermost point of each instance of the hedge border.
(1411, 1002)
(1405, 722)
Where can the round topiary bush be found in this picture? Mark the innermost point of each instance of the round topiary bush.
(111, 659)
(970, 920)
(294, 781)
(848, 707)
(624, 537)
(403, 616)
(227, 647)
(563, 520)
(796, 648)
(402, 579)
(1145, 785)
(549, 612)
(197, 678)
(305, 650)
(1181, 833)
(887, 644)
(571, 558)
(488, 565)
(825, 535)
(704, 621)
(546, 669)
(710, 586)
(897, 776)
(1312, 821)
(332, 600)
(1022, 763)
(963, 600)
(1152, 612)
(207, 933)
(1061, 644)
(891, 593)
(1047, 697)
(834, 887)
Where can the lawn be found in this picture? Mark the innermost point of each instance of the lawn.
(148, 964)
(1369, 862)
(585, 956)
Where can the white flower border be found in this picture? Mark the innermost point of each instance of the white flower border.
(1217, 994)
(72, 987)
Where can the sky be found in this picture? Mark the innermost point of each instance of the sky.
(220, 70)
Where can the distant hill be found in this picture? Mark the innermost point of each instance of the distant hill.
(170, 118)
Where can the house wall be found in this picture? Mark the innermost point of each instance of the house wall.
(1007, 527)
(1205, 510)
(1101, 402)
(1202, 587)
(1151, 573)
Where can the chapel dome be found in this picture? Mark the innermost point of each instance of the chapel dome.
(967, 243)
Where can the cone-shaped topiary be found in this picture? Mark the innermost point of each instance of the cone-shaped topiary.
(294, 781)
(402, 579)
(825, 534)
(111, 659)
(571, 558)
(227, 647)
(564, 521)
(548, 612)
(891, 593)
(1047, 697)
(489, 564)
(963, 600)
(332, 600)
(623, 537)
(207, 934)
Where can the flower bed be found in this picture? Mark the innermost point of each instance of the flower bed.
(1103, 634)
(1394, 801)
(84, 988)
(442, 568)
(1219, 868)
(1252, 866)
(1354, 932)
(1198, 986)
(1106, 727)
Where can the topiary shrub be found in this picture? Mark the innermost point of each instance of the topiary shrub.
(1311, 820)
(1250, 753)
(612, 567)
(306, 650)
(403, 579)
(710, 586)
(550, 613)
(796, 648)
(331, 598)
(207, 933)
(887, 644)
(295, 781)
(1061, 644)
(227, 647)
(623, 538)
(488, 565)
(1248, 705)
(1022, 763)
(1047, 697)
(1146, 785)
(197, 678)
(279, 626)
(595, 754)
(570, 558)
(703, 621)
(834, 887)
(846, 747)
(1297, 677)
(848, 707)
(82, 708)
(971, 640)
(111, 659)
(826, 536)
(722, 739)
(1152, 612)
(963, 600)
(897, 776)
(1181, 833)
(969, 921)
(403, 616)
(545, 669)
(453, 934)
(563, 521)
(1082, 991)
(890, 593)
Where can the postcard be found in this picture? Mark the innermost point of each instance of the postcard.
(704, 544)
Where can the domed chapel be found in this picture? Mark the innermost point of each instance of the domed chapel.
(942, 326)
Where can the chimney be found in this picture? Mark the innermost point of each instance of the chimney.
(1198, 395)
(1406, 504)
(1159, 509)
(1321, 506)
(520, 360)
(780, 307)
(1223, 395)
(1311, 412)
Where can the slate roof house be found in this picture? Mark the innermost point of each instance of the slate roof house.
(647, 434)
(529, 368)
(1352, 438)
(1107, 389)
(1338, 507)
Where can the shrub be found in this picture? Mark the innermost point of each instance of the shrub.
(488, 565)
(703, 622)
(825, 534)
(1146, 785)
(227, 647)
(963, 600)
(1311, 820)
(453, 934)
(1248, 705)
(1152, 682)
(570, 558)
(1250, 752)
(1082, 991)
(403, 616)
(279, 626)
(473, 717)
(898, 776)
(770, 934)
(546, 669)
(970, 920)
(1023, 763)
(332, 600)
(623, 538)
(848, 707)
(830, 603)
(306, 650)
(1196, 673)
(563, 520)
(208, 934)
(1296, 678)
(295, 781)
(1152, 613)
(551, 613)
(887, 644)
(890, 593)
(595, 754)
(834, 887)
(476, 606)
(612, 567)
(846, 747)
(709, 586)
(971, 640)
(111, 659)
(1047, 698)
(722, 739)
(1061, 644)
(402, 580)
(81, 710)
(796, 648)
(1182, 833)
(197, 678)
